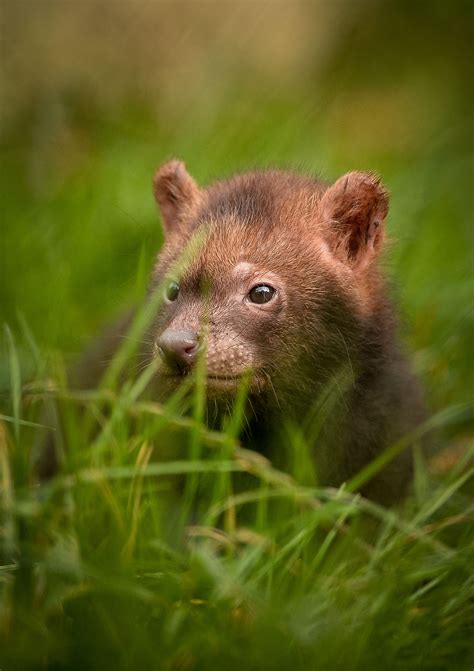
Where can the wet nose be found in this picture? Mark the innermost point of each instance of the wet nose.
(178, 348)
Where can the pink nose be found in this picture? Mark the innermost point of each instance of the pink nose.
(178, 348)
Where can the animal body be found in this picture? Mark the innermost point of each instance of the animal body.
(283, 286)
(274, 277)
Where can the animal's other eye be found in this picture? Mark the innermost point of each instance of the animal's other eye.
(262, 293)
(172, 291)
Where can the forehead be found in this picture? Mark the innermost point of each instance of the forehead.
(232, 244)
(247, 198)
(254, 218)
(261, 219)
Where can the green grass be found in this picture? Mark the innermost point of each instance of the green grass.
(138, 555)
(161, 544)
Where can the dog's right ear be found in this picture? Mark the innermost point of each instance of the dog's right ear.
(176, 193)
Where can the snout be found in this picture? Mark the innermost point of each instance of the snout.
(178, 348)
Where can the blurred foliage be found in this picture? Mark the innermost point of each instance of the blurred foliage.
(95, 95)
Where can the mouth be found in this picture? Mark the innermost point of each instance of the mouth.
(217, 382)
(227, 381)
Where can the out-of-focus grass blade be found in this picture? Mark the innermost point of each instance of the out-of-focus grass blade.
(151, 470)
(326, 401)
(223, 484)
(445, 495)
(142, 320)
(145, 315)
(24, 422)
(444, 418)
(123, 403)
(7, 496)
(142, 272)
(420, 475)
(464, 460)
(15, 379)
(33, 345)
(198, 412)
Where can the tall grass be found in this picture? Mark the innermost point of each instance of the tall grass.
(161, 544)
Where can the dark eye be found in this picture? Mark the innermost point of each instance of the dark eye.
(262, 293)
(172, 291)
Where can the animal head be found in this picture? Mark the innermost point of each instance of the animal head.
(269, 273)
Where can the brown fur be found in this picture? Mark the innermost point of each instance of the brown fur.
(329, 325)
(318, 245)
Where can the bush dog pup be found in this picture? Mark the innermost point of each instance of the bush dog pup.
(287, 282)
(284, 289)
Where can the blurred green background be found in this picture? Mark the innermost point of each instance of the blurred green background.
(97, 94)
(105, 568)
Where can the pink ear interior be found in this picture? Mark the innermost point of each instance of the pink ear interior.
(353, 211)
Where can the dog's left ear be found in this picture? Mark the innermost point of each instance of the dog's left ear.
(353, 212)
(177, 195)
